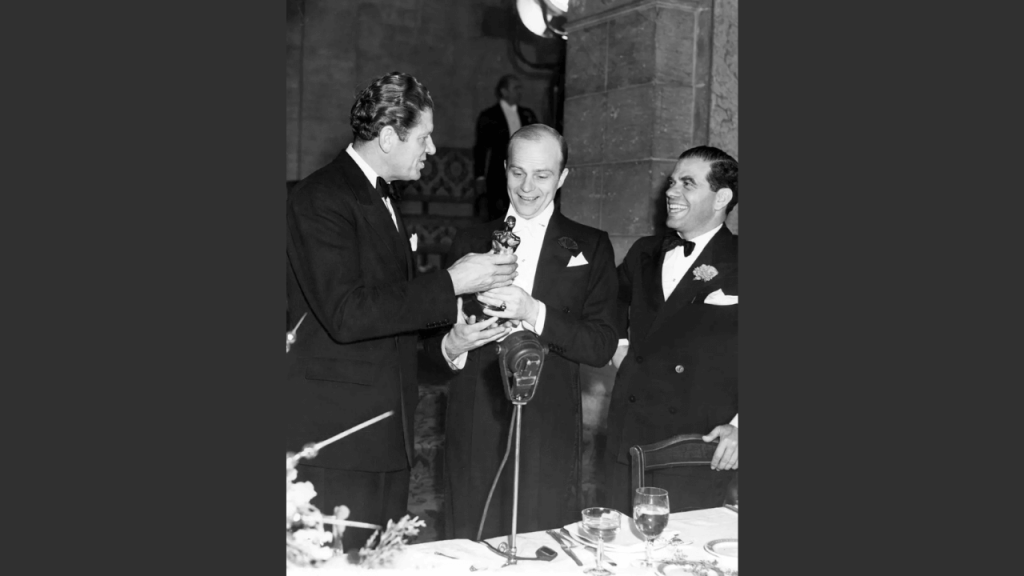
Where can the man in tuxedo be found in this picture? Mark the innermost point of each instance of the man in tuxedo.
(679, 301)
(358, 306)
(566, 294)
(494, 126)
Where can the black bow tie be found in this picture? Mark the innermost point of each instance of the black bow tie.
(386, 191)
(672, 240)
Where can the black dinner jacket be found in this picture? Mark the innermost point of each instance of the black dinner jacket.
(680, 374)
(492, 138)
(351, 273)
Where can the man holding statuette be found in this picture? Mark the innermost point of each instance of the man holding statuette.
(351, 277)
(565, 293)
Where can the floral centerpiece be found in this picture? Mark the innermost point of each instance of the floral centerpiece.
(309, 543)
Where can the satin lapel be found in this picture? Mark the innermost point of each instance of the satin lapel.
(690, 286)
(650, 277)
(373, 211)
(552, 260)
(404, 241)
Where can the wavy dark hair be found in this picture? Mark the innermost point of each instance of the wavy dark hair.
(724, 173)
(396, 99)
(534, 133)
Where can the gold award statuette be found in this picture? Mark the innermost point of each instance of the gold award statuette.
(503, 241)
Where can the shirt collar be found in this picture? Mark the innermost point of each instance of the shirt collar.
(370, 173)
(506, 106)
(701, 241)
(540, 221)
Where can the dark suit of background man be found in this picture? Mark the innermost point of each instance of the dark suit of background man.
(679, 375)
(566, 294)
(494, 126)
(351, 273)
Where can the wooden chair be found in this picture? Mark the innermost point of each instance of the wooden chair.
(706, 488)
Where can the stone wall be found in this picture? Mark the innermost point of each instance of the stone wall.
(457, 48)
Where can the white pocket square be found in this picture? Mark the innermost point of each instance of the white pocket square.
(577, 260)
(718, 298)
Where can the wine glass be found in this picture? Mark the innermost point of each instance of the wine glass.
(650, 512)
(603, 523)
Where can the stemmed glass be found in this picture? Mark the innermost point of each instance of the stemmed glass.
(650, 512)
(604, 523)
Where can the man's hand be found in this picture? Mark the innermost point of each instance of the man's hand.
(620, 353)
(727, 455)
(468, 334)
(479, 272)
(518, 304)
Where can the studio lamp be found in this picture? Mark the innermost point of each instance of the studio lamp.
(544, 18)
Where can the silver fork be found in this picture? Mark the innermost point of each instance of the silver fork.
(574, 544)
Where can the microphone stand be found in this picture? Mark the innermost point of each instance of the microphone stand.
(527, 358)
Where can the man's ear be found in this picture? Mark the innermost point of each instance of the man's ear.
(386, 139)
(722, 198)
(561, 179)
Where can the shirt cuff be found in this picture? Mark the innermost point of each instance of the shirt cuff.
(541, 315)
(457, 364)
(623, 342)
(736, 420)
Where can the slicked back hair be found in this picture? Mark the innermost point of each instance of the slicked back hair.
(503, 83)
(535, 133)
(396, 99)
(724, 173)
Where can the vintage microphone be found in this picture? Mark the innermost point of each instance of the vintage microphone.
(520, 357)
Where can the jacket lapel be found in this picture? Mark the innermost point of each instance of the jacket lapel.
(553, 258)
(403, 241)
(690, 288)
(375, 213)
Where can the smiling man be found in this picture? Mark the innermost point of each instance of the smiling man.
(358, 305)
(565, 293)
(679, 303)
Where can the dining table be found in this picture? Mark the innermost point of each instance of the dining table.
(692, 543)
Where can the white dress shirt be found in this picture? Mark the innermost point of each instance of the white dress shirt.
(372, 176)
(531, 234)
(676, 265)
(511, 112)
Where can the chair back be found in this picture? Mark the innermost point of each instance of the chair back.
(684, 450)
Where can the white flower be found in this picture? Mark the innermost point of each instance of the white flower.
(705, 272)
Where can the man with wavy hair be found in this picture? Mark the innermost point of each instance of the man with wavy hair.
(358, 304)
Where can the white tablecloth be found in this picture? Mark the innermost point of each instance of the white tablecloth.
(698, 527)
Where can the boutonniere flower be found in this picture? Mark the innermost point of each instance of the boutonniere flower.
(568, 243)
(705, 272)
(414, 241)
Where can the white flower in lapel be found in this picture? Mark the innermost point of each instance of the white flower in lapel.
(414, 241)
(705, 272)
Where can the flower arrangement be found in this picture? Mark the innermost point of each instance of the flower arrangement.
(308, 543)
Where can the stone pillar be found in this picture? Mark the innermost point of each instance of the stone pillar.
(638, 93)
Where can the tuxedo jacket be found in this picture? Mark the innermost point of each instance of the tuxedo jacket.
(579, 328)
(492, 140)
(351, 272)
(680, 375)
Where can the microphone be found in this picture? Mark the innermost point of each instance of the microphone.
(521, 357)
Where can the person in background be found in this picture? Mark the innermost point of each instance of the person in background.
(494, 126)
